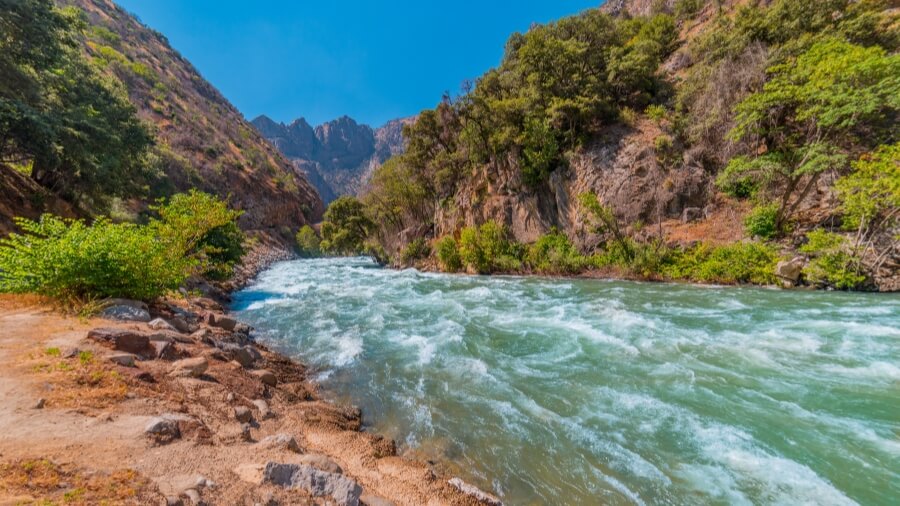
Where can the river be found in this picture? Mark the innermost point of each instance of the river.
(568, 391)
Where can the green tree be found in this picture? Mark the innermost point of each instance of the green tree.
(308, 242)
(75, 125)
(811, 113)
(345, 227)
(870, 195)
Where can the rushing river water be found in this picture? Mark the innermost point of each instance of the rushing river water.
(561, 391)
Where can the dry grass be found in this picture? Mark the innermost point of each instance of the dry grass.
(41, 481)
(78, 382)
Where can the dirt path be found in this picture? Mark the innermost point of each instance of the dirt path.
(92, 426)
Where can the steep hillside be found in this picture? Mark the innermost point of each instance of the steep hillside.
(676, 117)
(338, 156)
(202, 141)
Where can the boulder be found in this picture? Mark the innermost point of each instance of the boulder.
(127, 313)
(343, 490)
(164, 350)
(243, 414)
(163, 429)
(182, 325)
(123, 359)
(220, 321)
(474, 492)
(266, 377)
(320, 462)
(243, 328)
(123, 340)
(240, 354)
(160, 324)
(263, 408)
(189, 367)
(788, 271)
(281, 442)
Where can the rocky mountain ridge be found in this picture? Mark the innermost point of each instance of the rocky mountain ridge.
(338, 156)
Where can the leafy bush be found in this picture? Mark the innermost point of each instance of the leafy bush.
(417, 249)
(553, 253)
(201, 227)
(308, 242)
(685, 9)
(833, 262)
(871, 194)
(762, 221)
(487, 249)
(448, 254)
(70, 260)
(743, 262)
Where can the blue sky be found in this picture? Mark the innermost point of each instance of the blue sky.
(371, 60)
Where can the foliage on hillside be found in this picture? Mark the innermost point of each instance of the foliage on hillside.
(98, 108)
(774, 100)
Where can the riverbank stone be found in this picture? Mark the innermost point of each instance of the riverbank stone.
(189, 367)
(343, 490)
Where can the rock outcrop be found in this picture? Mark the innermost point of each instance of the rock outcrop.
(337, 157)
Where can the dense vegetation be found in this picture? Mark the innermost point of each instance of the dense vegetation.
(773, 101)
(62, 120)
(70, 260)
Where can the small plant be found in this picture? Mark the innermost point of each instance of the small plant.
(447, 252)
(656, 112)
(308, 242)
(762, 222)
(833, 262)
(52, 352)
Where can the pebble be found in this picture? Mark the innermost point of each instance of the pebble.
(40, 403)
(243, 414)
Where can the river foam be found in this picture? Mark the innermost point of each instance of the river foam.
(584, 392)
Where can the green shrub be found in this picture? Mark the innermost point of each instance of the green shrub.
(685, 9)
(742, 262)
(70, 260)
(201, 227)
(487, 249)
(308, 242)
(762, 221)
(448, 254)
(553, 253)
(656, 112)
(417, 249)
(833, 262)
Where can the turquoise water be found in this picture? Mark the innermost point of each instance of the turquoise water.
(560, 391)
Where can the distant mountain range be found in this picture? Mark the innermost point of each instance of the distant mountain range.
(338, 157)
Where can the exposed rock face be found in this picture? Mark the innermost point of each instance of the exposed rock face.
(338, 157)
(621, 167)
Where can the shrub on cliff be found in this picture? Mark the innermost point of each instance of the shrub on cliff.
(833, 261)
(554, 253)
(762, 221)
(488, 249)
(447, 252)
(417, 249)
(70, 260)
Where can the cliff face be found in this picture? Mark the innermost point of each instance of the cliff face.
(202, 141)
(339, 156)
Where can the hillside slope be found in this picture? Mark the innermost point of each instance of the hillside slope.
(201, 140)
(723, 122)
(339, 156)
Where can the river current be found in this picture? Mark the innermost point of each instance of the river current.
(565, 391)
